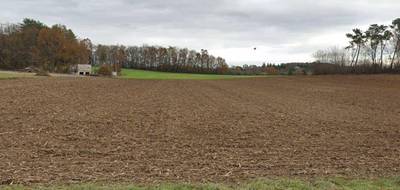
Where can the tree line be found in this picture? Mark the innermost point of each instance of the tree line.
(57, 49)
(375, 50)
(157, 58)
(34, 44)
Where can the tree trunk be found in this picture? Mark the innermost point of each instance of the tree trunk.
(358, 54)
(374, 55)
(353, 57)
(382, 48)
(394, 54)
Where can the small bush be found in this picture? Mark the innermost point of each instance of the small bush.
(42, 73)
(105, 70)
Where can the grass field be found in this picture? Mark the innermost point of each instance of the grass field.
(327, 184)
(141, 74)
(154, 75)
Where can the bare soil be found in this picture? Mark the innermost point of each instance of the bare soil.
(63, 130)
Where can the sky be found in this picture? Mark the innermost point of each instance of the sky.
(281, 30)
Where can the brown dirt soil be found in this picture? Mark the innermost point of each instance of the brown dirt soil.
(63, 130)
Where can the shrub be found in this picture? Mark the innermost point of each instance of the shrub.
(42, 72)
(105, 70)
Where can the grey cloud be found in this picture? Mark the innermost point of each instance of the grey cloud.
(211, 24)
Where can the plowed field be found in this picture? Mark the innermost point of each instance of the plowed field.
(61, 130)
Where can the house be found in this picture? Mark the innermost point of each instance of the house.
(83, 69)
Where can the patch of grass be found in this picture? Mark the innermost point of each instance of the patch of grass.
(154, 75)
(13, 75)
(326, 184)
(279, 184)
(6, 76)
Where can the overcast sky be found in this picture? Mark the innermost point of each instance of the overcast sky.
(282, 30)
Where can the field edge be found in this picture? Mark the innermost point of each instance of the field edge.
(338, 183)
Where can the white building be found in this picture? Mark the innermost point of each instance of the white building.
(84, 69)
